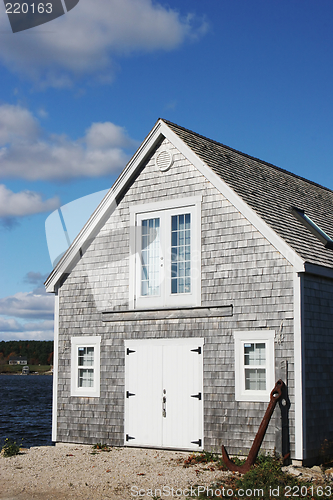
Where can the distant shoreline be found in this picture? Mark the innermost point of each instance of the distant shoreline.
(9, 373)
(34, 369)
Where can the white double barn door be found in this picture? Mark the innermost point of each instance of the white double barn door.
(163, 393)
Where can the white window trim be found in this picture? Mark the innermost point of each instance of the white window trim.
(255, 336)
(156, 209)
(85, 341)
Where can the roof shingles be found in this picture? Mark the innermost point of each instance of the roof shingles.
(271, 192)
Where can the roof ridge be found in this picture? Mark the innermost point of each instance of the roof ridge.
(247, 155)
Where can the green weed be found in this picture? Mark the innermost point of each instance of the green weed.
(266, 481)
(101, 447)
(204, 458)
(11, 448)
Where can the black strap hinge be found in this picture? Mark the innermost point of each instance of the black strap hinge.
(197, 442)
(128, 438)
(128, 351)
(197, 350)
(198, 396)
(128, 394)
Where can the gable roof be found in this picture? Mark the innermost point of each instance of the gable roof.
(264, 194)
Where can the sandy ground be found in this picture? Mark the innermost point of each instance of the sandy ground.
(73, 472)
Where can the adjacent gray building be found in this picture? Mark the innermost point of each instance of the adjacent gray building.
(202, 277)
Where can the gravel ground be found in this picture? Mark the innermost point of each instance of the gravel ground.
(73, 472)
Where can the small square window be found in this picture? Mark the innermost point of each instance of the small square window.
(85, 366)
(254, 365)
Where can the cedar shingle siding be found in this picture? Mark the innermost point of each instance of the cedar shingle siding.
(243, 275)
(318, 366)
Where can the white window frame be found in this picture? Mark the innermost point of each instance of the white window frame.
(253, 337)
(164, 211)
(85, 341)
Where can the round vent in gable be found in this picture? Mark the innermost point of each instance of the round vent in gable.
(164, 160)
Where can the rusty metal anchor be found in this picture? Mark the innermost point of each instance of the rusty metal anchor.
(274, 398)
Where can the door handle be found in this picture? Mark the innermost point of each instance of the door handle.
(164, 406)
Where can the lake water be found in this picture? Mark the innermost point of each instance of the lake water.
(26, 409)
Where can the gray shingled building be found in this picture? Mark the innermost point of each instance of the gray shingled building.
(202, 277)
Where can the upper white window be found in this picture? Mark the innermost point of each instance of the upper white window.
(165, 261)
(85, 366)
(254, 365)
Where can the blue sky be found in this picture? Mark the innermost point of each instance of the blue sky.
(79, 94)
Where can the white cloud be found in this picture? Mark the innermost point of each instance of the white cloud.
(9, 325)
(24, 203)
(31, 154)
(17, 124)
(84, 41)
(106, 135)
(26, 331)
(29, 315)
(12, 325)
(28, 305)
(35, 278)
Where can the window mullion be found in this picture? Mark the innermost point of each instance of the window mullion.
(165, 217)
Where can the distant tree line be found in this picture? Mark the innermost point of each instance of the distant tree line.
(37, 352)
